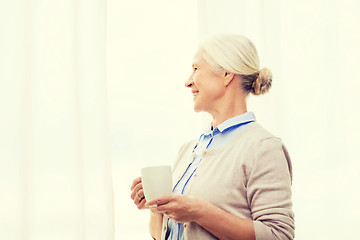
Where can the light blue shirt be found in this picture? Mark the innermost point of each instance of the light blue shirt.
(211, 138)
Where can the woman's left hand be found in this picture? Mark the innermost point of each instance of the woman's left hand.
(179, 208)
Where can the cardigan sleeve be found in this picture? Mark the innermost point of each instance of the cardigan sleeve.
(269, 178)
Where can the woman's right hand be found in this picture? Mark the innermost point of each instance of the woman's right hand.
(137, 193)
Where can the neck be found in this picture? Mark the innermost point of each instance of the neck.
(228, 108)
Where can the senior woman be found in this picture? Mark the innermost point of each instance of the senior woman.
(234, 181)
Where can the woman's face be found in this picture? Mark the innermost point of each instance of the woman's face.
(207, 85)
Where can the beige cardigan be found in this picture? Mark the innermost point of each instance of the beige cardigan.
(249, 177)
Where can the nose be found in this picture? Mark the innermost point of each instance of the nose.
(189, 82)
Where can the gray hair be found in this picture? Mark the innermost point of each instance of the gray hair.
(238, 55)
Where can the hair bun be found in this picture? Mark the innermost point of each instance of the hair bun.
(263, 82)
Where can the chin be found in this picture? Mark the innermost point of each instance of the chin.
(197, 108)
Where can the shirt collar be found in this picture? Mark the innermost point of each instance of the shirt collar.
(237, 120)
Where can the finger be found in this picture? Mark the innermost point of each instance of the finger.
(135, 182)
(142, 203)
(164, 208)
(135, 191)
(141, 193)
(137, 200)
(159, 201)
(164, 211)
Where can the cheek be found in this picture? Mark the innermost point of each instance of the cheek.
(200, 80)
(207, 84)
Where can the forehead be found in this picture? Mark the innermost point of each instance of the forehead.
(198, 58)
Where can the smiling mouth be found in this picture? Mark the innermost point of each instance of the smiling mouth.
(195, 93)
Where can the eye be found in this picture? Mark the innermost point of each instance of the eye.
(195, 69)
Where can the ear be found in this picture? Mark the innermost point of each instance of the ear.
(228, 78)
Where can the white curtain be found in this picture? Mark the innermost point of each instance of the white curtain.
(55, 174)
(313, 49)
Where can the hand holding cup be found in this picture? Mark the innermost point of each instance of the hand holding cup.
(137, 193)
(155, 182)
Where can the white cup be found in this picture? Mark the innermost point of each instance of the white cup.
(156, 181)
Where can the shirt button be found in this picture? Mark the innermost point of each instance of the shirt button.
(185, 225)
(204, 152)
